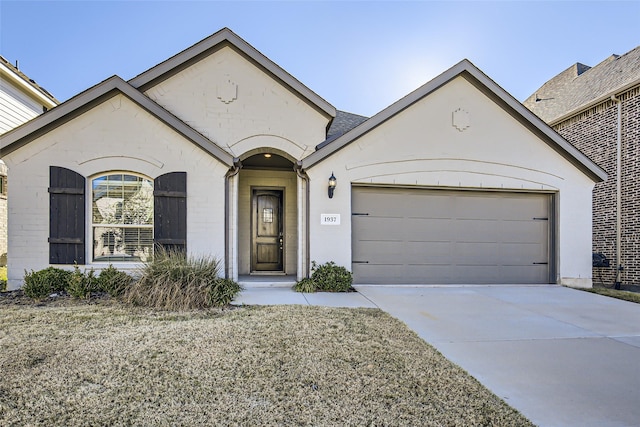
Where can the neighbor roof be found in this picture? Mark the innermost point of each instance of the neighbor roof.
(483, 83)
(29, 85)
(226, 37)
(579, 86)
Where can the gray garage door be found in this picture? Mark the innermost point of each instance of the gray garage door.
(409, 236)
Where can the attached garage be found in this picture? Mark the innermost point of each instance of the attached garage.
(420, 236)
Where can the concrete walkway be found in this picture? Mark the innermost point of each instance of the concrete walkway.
(562, 357)
(286, 296)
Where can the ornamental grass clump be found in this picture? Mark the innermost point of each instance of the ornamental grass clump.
(174, 281)
(3, 279)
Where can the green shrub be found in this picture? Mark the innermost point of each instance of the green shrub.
(223, 291)
(81, 284)
(174, 281)
(40, 284)
(327, 277)
(113, 281)
(306, 285)
(331, 277)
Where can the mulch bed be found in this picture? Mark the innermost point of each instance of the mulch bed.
(58, 299)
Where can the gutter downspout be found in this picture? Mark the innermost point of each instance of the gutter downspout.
(303, 176)
(619, 267)
(235, 169)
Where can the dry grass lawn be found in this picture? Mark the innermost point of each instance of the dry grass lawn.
(87, 365)
(614, 293)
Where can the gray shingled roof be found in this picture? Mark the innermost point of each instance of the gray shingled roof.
(579, 85)
(341, 124)
(29, 81)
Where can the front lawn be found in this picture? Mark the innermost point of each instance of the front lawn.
(615, 293)
(105, 364)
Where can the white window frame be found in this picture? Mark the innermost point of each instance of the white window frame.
(91, 247)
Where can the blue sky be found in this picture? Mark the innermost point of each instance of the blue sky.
(360, 56)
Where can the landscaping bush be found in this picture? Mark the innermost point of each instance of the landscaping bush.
(174, 281)
(113, 281)
(306, 285)
(223, 291)
(82, 284)
(40, 284)
(327, 277)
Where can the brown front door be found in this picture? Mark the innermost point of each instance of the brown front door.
(266, 224)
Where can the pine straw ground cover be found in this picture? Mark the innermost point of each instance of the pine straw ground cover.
(107, 364)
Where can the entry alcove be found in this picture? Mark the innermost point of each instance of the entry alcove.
(267, 216)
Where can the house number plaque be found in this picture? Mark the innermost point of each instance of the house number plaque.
(330, 219)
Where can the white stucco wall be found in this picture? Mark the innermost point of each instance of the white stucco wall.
(116, 135)
(421, 147)
(240, 107)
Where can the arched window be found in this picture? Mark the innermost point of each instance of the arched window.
(122, 217)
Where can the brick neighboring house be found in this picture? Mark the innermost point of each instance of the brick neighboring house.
(597, 109)
(21, 99)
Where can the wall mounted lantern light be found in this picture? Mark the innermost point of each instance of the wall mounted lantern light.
(332, 185)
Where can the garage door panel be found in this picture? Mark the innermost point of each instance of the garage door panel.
(440, 237)
(377, 274)
(376, 204)
(378, 252)
(478, 230)
(524, 274)
(422, 274)
(522, 231)
(378, 228)
(477, 274)
(476, 253)
(522, 254)
(428, 253)
(401, 274)
(476, 208)
(427, 229)
(423, 206)
(525, 207)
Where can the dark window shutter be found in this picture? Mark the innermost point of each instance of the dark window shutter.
(170, 211)
(66, 216)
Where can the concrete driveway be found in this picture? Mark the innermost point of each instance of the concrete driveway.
(560, 356)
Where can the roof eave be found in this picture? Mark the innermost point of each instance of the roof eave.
(469, 71)
(380, 118)
(165, 69)
(595, 102)
(27, 87)
(83, 102)
(538, 126)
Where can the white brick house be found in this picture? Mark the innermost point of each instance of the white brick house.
(21, 99)
(219, 151)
